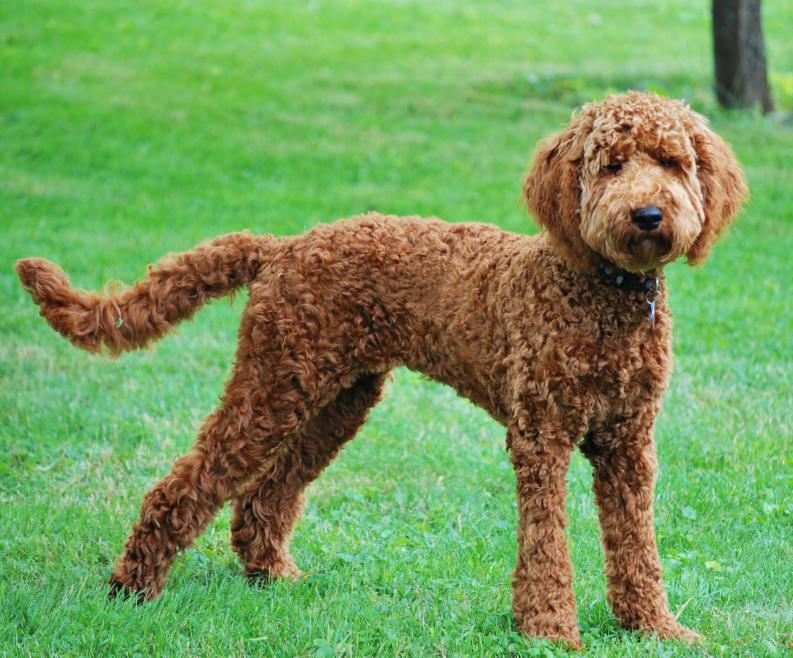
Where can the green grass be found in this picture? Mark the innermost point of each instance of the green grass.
(129, 131)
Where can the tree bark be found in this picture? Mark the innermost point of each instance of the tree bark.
(739, 55)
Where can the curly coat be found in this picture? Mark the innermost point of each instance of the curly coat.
(526, 327)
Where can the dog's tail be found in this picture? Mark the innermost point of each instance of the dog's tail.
(131, 318)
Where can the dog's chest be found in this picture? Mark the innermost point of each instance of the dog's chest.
(597, 376)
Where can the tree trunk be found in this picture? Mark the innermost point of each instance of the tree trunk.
(739, 54)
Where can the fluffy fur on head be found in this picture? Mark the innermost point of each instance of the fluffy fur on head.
(625, 153)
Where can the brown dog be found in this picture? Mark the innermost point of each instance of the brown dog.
(565, 338)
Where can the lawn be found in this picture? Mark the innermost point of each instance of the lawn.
(131, 129)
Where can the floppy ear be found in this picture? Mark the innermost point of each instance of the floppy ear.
(723, 186)
(552, 190)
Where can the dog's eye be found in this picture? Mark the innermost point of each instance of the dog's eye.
(614, 167)
(666, 163)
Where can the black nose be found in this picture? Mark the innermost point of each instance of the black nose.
(647, 218)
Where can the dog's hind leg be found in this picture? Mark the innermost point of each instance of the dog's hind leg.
(267, 510)
(264, 404)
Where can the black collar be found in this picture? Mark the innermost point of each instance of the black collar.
(619, 278)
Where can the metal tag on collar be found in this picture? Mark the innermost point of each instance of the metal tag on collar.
(652, 291)
(651, 316)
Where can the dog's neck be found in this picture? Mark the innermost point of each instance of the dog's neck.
(647, 282)
(618, 290)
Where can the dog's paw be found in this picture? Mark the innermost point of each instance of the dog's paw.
(566, 634)
(129, 580)
(670, 629)
(119, 590)
(262, 575)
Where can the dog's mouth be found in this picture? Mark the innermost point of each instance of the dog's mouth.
(650, 248)
(647, 250)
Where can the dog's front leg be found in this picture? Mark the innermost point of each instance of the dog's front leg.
(543, 599)
(625, 466)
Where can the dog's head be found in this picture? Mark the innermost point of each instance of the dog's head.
(636, 180)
